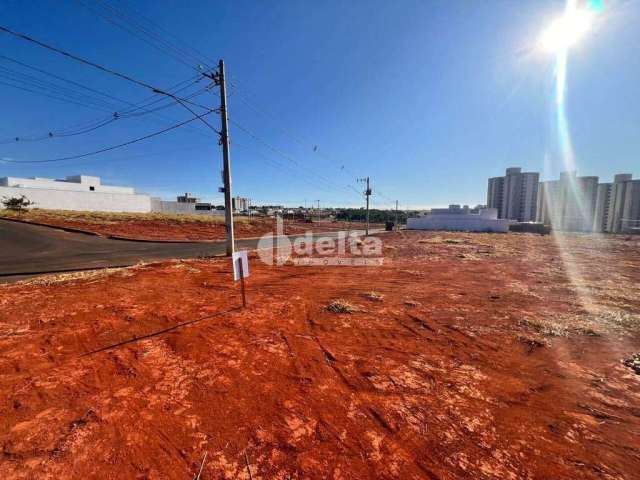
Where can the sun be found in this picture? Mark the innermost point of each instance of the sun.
(567, 30)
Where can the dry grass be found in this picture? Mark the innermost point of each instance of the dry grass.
(341, 305)
(37, 214)
(374, 296)
(620, 320)
(53, 279)
(533, 342)
(439, 239)
(546, 327)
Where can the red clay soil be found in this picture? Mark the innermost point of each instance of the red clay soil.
(189, 230)
(478, 357)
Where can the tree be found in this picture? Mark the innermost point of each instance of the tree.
(17, 204)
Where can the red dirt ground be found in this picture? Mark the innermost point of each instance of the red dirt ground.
(480, 361)
(171, 229)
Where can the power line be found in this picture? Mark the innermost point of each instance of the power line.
(100, 67)
(109, 17)
(285, 168)
(114, 147)
(62, 92)
(194, 52)
(54, 97)
(148, 31)
(291, 135)
(138, 109)
(184, 104)
(281, 153)
(75, 57)
(71, 82)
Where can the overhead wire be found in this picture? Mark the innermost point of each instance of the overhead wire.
(53, 75)
(308, 179)
(110, 17)
(45, 87)
(108, 149)
(76, 58)
(186, 49)
(282, 154)
(137, 109)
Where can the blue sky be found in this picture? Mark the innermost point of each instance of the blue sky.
(428, 98)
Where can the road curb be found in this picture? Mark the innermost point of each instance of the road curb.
(66, 229)
(145, 240)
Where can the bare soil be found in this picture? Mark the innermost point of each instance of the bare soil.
(466, 356)
(171, 227)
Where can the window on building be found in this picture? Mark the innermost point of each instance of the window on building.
(92, 189)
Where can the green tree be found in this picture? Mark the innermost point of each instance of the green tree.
(17, 204)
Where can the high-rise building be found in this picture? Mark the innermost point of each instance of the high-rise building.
(630, 222)
(617, 203)
(240, 204)
(547, 211)
(622, 212)
(494, 194)
(578, 197)
(515, 195)
(603, 200)
(569, 203)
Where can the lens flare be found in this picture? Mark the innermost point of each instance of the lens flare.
(566, 31)
(563, 33)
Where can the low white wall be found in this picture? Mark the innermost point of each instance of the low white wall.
(464, 223)
(85, 201)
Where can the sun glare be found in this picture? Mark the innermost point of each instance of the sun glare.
(566, 31)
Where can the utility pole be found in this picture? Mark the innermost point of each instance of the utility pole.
(367, 193)
(396, 222)
(226, 172)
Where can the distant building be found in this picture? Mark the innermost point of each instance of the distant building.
(456, 218)
(569, 203)
(87, 193)
(514, 196)
(240, 204)
(187, 198)
(603, 201)
(75, 192)
(618, 205)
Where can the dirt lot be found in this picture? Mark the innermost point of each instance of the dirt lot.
(467, 356)
(155, 226)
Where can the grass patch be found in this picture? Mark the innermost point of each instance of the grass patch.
(374, 296)
(620, 319)
(412, 303)
(54, 279)
(438, 239)
(341, 305)
(42, 215)
(545, 327)
(533, 343)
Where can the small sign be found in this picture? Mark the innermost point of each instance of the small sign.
(240, 265)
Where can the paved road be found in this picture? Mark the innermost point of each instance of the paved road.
(27, 250)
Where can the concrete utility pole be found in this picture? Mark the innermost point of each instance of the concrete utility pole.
(224, 139)
(396, 222)
(367, 192)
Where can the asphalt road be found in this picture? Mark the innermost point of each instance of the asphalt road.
(28, 250)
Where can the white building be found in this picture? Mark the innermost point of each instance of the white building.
(240, 204)
(515, 195)
(455, 218)
(77, 192)
(569, 203)
(618, 205)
